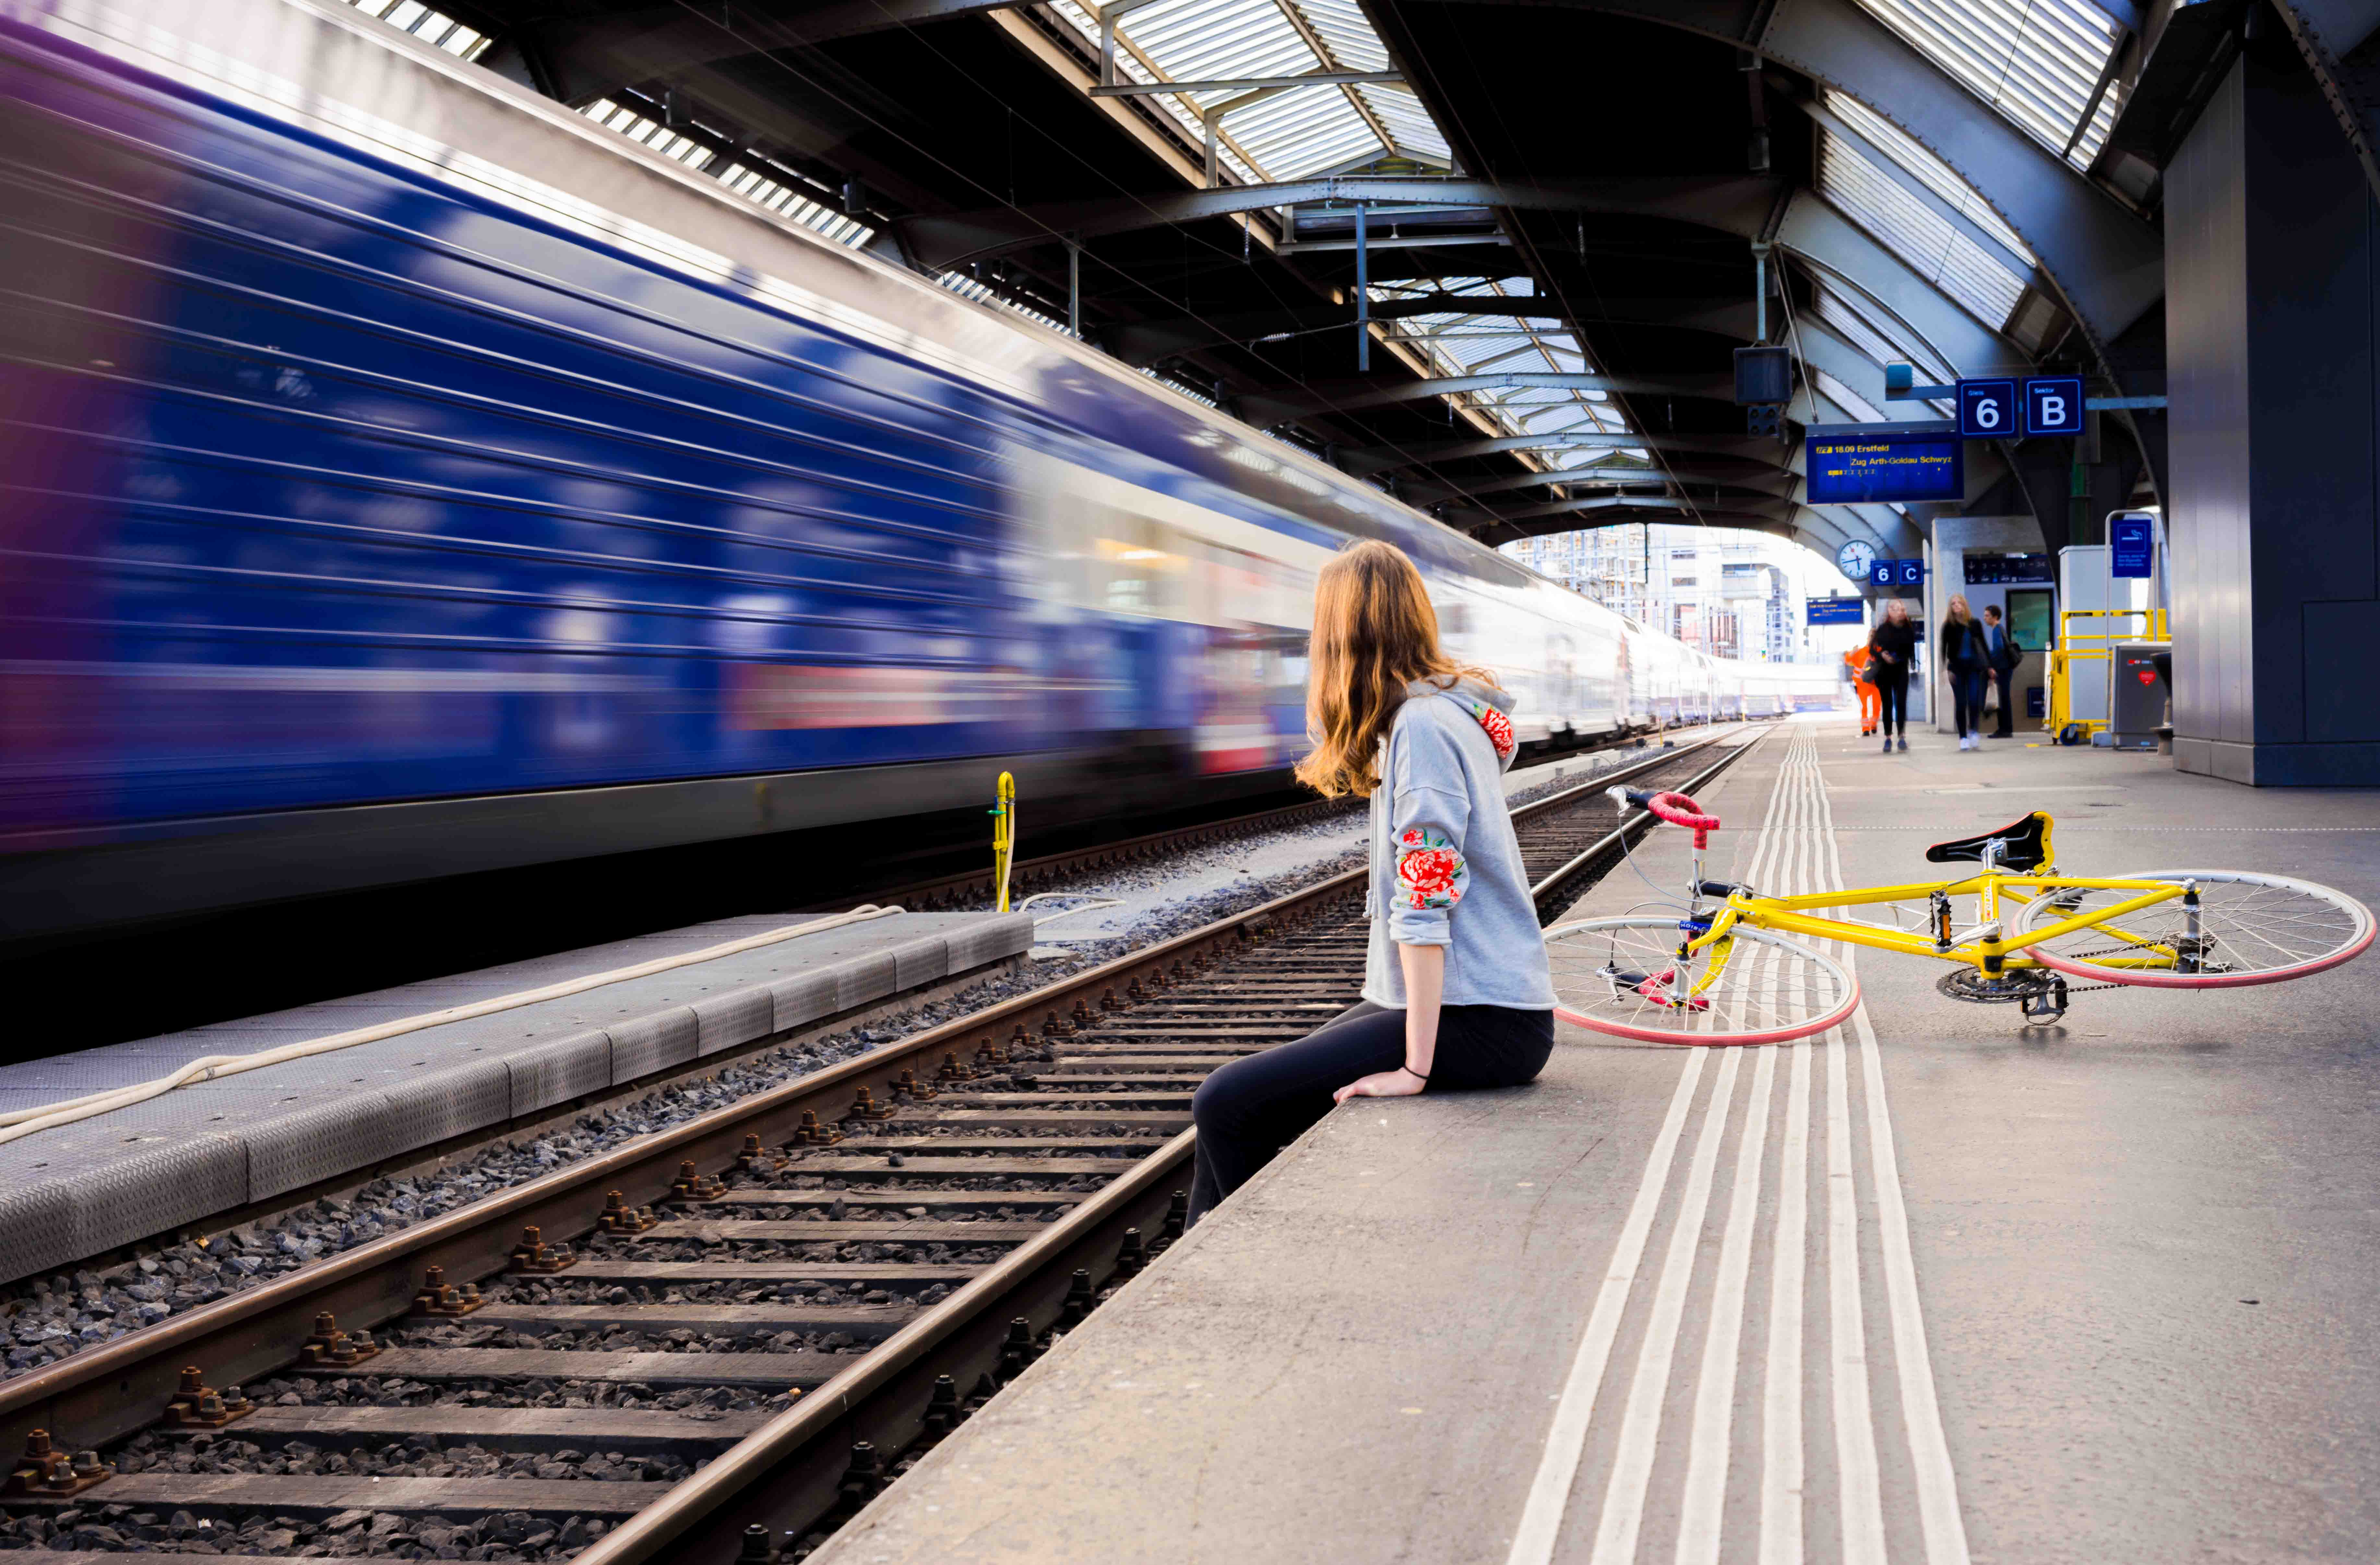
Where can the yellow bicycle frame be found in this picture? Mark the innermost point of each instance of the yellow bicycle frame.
(1791, 914)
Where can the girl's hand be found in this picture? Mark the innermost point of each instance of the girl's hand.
(1381, 1083)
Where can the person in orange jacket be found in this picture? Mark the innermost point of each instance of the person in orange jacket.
(1871, 707)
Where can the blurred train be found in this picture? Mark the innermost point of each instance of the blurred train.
(407, 476)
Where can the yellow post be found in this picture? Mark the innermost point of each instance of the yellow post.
(1004, 835)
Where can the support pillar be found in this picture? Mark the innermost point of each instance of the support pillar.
(2272, 309)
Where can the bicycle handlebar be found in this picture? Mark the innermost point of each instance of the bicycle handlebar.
(1675, 808)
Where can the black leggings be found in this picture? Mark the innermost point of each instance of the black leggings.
(1252, 1107)
(1892, 684)
(1967, 686)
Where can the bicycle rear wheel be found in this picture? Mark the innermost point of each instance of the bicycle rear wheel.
(2252, 930)
(1622, 976)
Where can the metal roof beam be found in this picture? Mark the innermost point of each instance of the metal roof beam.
(2107, 263)
(1272, 407)
(1380, 458)
(1247, 83)
(1772, 480)
(1737, 204)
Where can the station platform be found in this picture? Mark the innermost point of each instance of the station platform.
(215, 1145)
(1932, 1286)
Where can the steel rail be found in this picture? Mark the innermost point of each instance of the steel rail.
(102, 1393)
(753, 1484)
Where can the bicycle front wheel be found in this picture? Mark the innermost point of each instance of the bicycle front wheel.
(2249, 929)
(1624, 976)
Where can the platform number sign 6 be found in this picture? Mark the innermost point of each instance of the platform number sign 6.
(1987, 409)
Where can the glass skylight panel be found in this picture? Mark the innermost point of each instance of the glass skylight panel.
(1299, 131)
(647, 132)
(1850, 319)
(2036, 61)
(433, 28)
(1929, 170)
(749, 182)
(1939, 252)
(968, 287)
(1346, 33)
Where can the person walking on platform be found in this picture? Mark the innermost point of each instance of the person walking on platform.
(1457, 992)
(1894, 642)
(1857, 659)
(2001, 653)
(1965, 660)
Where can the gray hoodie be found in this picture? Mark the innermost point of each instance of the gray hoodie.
(1446, 867)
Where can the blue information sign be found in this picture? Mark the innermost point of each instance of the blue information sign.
(1837, 611)
(1897, 573)
(1859, 468)
(1987, 409)
(2053, 405)
(2131, 546)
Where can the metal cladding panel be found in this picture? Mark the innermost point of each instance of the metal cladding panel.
(156, 1188)
(39, 1230)
(865, 978)
(566, 1068)
(739, 1016)
(801, 998)
(655, 1040)
(922, 961)
(317, 1143)
(443, 1101)
(989, 937)
(2206, 354)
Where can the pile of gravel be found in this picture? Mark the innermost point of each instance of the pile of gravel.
(378, 1390)
(47, 1318)
(511, 1535)
(417, 1456)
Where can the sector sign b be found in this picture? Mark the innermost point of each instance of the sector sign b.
(2053, 405)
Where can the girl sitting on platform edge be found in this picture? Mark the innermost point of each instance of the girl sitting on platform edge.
(1456, 989)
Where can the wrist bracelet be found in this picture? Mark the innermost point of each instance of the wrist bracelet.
(1411, 1071)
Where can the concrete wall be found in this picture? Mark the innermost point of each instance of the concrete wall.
(2271, 315)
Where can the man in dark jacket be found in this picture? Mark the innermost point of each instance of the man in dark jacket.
(2001, 655)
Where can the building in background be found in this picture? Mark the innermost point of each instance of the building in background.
(1726, 591)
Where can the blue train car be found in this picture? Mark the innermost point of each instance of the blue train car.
(407, 476)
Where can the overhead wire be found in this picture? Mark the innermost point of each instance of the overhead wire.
(727, 23)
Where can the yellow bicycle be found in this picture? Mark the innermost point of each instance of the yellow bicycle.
(1721, 970)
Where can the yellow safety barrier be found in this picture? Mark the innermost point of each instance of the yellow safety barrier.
(2091, 647)
(1004, 835)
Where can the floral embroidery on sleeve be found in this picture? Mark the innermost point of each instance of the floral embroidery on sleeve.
(1430, 871)
(1498, 726)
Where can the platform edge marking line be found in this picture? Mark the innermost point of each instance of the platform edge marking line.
(1858, 1475)
(1541, 1517)
(1639, 1421)
(1714, 1419)
(1943, 1526)
(1539, 1529)
(1783, 1464)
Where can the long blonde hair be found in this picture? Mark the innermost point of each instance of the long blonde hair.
(1374, 632)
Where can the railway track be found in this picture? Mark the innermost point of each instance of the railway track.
(1040, 874)
(758, 1315)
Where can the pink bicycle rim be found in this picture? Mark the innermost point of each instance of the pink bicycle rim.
(2200, 980)
(1730, 1041)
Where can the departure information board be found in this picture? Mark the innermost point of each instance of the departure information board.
(1852, 468)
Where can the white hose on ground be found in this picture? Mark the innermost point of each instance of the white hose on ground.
(214, 1067)
(1089, 904)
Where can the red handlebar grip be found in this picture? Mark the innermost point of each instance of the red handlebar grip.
(1680, 810)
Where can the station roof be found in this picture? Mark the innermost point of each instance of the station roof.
(1562, 203)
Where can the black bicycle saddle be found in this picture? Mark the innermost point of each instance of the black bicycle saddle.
(2027, 844)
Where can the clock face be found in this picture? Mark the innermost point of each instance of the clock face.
(1855, 558)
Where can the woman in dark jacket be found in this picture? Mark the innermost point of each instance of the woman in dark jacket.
(1967, 659)
(1894, 644)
